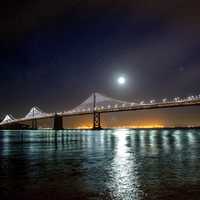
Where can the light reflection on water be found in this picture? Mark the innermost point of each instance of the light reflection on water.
(124, 183)
(108, 164)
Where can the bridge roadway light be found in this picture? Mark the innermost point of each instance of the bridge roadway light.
(142, 103)
(152, 101)
(132, 104)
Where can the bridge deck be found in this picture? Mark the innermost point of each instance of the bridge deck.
(111, 110)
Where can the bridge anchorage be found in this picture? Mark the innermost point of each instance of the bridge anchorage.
(58, 122)
(34, 124)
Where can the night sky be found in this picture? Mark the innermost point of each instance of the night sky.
(54, 54)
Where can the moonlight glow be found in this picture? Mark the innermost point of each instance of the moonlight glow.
(121, 80)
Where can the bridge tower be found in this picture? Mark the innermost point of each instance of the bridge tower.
(96, 115)
(34, 124)
(34, 120)
(58, 122)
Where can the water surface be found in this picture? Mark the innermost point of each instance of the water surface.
(112, 164)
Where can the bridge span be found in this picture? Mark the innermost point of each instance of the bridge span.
(95, 105)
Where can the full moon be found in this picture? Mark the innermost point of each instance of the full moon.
(121, 80)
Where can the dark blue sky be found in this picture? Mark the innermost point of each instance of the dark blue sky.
(55, 53)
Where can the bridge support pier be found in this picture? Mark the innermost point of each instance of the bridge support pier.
(96, 121)
(58, 122)
(34, 124)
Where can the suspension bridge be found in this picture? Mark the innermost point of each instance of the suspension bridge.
(95, 105)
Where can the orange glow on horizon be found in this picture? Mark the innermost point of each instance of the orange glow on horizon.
(126, 126)
(142, 126)
(84, 127)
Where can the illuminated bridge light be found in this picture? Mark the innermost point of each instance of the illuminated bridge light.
(152, 101)
(132, 104)
(103, 102)
(8, 118)
(35, 112)
(142, 103)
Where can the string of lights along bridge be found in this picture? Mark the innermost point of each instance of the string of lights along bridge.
(95, 105)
